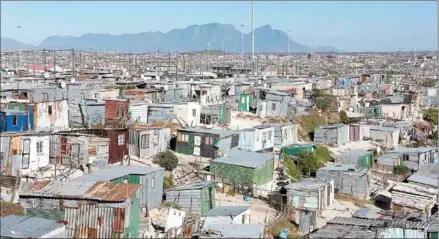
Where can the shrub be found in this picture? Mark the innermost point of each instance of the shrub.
(172, 205)
(326, 102)
(291, 170)
(166, 160)
(323, 154)
(308, 162)
(400, 169)
(168, 182)
(428, 83)
(344, 117)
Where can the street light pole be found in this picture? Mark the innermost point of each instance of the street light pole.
(19, 50)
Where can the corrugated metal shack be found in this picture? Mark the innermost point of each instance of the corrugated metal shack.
(256, 139)
(146, 141)
(427, 175)
(273, 103)
(362, 158)
(23, 152)
(138, 112)
(214, 114)
(150, 178)
(197, 198)
(116, 113)
(387, 136)
(118, 142)
(94, 113)
(75, 149)
(243, 168)
(209, 143)
(14, 226)
(413, 198)
(358, 132)
(284, 133)
(176, 112)
(335, 134)
(90, 209)
(295, 149)
(245, 102)
(151, 95)
(16, 121)
(228, 215)
(348, 179)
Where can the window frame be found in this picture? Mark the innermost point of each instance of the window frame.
(121, 138)
(144, 141)
(50, 110)
(39, 147)
(152, 182)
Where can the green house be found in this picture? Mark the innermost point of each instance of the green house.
(244, 168)
(195, 198)
(245, 102)
(295, 149)
(362, 158)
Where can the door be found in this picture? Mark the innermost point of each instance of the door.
(74, 154)
(25, 154)
(197, 145)
(210, 198)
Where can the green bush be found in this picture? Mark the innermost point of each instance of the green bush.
(168, 182)
(400, 169)
(166, 160)
(326, 102)
(323, 154)
(428, 83)
(344, 117)
(172, 205)
(308, 162)
(291, 170)
(431, 116)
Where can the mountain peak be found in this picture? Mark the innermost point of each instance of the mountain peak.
(192, 38)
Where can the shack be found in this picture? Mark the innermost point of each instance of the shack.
(387, 136)
(145, 141)
(427, 175)
(348, 179)
(284, 133)
(16, 121)
(197, 198)
(256, 139)
(410, 197)
(209, 143)
(362, 158)
(214, 114)
(228, 215)
(358, 132)
(243, 168)
(334, 134)
(23, 152)
(150, 178)
(114, 208)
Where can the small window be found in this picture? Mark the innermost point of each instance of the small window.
(121, 139)
(40, 147)
(405, 157)
(208, 140)
(121, 112)
(125, 180)
(44, 96)
(15, 121)
(273, 106)
(144, 141)
(152, 182)
(96, 95)
(1, 158)
(50, 110)
(194, 113)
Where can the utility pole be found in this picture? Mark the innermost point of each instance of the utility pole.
(45, 60)
(33, 63)
(19, 51)
(74, 63)
(54, 63)
(253, 32)
(169, 61)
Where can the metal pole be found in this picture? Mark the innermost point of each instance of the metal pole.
(19, 50)
(253, 32)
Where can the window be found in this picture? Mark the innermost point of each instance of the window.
(194, 113)
(125, 180)
(50, 110)
(121, 139)
(15, 120)
(144, 141)
(273, 106)
(44, 96)
(121, 112)
(208, 140)
(96, 95)
(40, 147)
(183, 137)
(405, 157)
(1, 159)
(152, 182)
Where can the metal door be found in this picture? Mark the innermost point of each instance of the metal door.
(74, 154)
(25, 154)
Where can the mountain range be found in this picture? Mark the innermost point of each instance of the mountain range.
(193, 38)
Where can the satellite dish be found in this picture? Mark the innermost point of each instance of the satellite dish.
(62, 84)
(46, 75)
(72, 80)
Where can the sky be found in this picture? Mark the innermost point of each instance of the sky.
(347, 25)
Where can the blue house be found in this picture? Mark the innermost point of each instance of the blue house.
(16, 121)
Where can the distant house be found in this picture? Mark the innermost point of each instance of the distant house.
(213, 114)
(150, 179)
(273, 103)
(358, 132)
(349, 179)
(198, 197)
(427, 175)
(409, 197)
(186, 113)
(334, 134)
(387, 136)
(23, 152)
(228, 215)
(78, 202)
(146, 141)
(209, 143)
(413, 158)
(256, 139)
(362, 158)
(284, 133)
(14, 226)
(243, 168)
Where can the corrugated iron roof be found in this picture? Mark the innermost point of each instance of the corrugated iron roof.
(192, 186)
(245, 158)
(428, 175)
(14, 226)
(377, 223)
(227, 211)
(85, 190)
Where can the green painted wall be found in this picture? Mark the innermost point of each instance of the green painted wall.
(367, 160)
(21, 106)
(133, 227)
(295, 149)
(205, 203)
(244, 175)
(433, 235)
(186, 147)
(245, 102)
(223, 114)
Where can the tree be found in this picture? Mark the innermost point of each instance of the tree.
(291, 169)
(344, 117)
(166, 160)
(431, 116)
(308, 162)
(428, 83)
(326, 102)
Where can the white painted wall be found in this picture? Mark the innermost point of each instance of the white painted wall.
(238, 219)
(36, 160)
(174, 219)
(59, 120)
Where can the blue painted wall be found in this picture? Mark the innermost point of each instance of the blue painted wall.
(24, 120)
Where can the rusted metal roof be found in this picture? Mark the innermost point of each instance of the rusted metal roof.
(85, 190)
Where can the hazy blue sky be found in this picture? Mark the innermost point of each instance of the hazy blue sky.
(372, 25)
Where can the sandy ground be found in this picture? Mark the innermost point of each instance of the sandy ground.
(260, 211)
(337, 209)
(365, 145)
(241, 123)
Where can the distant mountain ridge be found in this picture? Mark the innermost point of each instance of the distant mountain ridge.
(192, 38)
